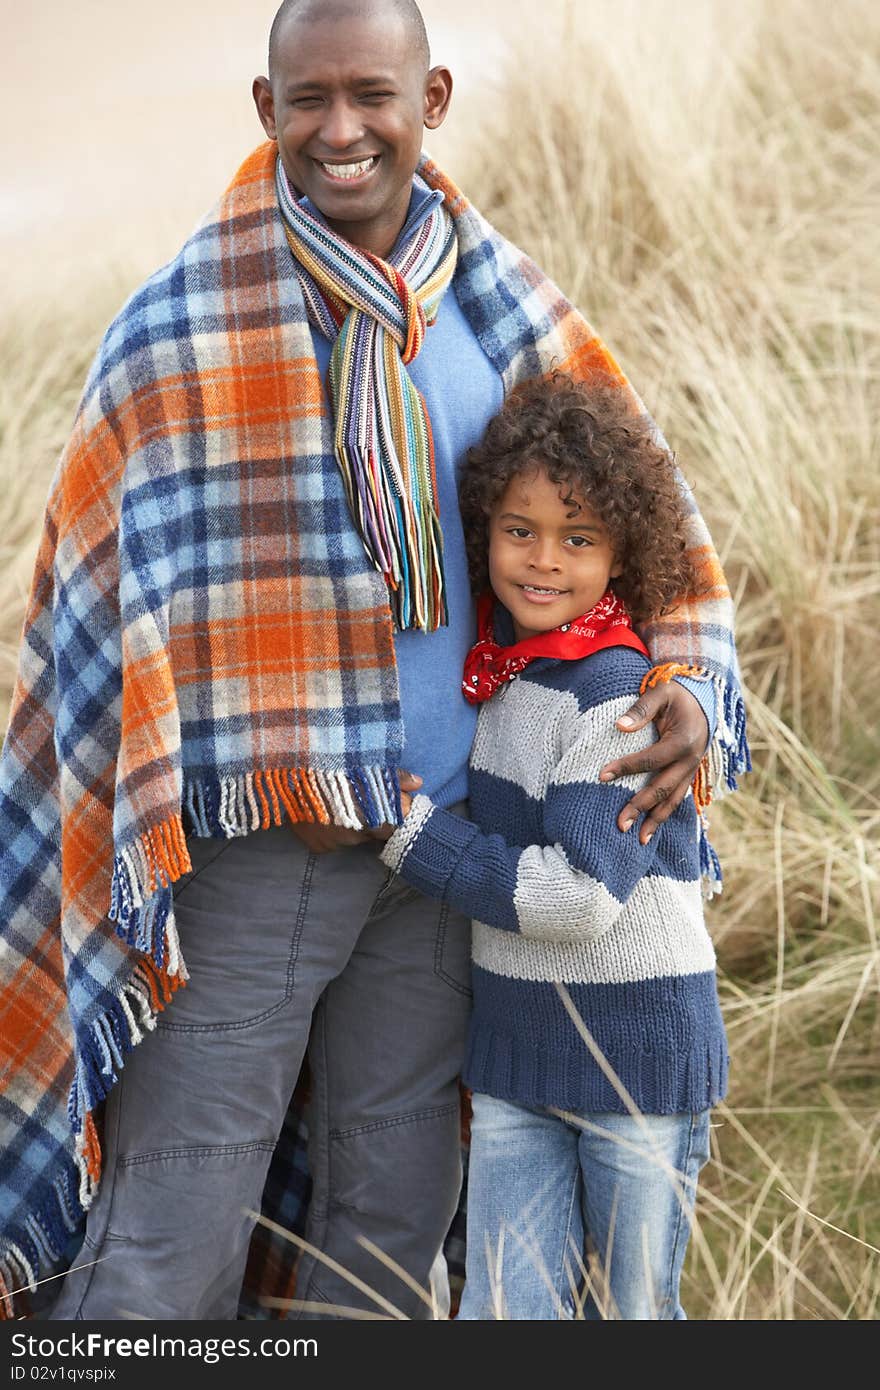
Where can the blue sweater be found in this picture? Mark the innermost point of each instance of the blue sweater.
(559, 894)
(462, 391)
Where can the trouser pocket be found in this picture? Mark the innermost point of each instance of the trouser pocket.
(239, 918)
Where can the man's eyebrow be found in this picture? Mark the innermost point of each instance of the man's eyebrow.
(316, 85)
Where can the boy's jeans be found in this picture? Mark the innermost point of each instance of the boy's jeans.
(539, 1184)
(286, 950)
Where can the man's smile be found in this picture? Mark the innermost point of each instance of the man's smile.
(349, 172)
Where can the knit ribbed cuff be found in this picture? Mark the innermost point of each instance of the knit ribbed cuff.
(428, 848)
(398, 846)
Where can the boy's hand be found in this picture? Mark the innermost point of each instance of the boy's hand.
(673, 759)
(409, 783)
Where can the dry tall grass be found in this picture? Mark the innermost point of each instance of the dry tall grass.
(712, 206)
(711, 203)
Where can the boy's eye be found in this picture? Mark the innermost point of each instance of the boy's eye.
(521, 533)
(579, 541)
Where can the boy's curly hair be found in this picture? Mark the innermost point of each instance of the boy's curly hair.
(588, 440)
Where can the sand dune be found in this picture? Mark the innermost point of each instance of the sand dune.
(123, 120)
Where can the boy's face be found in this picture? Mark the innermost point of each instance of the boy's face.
(550, 557)
(347, 103)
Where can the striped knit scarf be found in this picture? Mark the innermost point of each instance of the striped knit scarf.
(207, 650)
(377, 312)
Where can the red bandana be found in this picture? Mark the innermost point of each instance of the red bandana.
(489, 666)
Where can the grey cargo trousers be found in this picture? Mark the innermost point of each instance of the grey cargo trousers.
(286, 951)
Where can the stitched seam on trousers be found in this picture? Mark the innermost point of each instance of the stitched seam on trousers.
(566, 1296)
(395, 1120)
(305, 894)
(683, 1179)
(110, 1179)
(381, 895)
(319, 1162)
(199, 1151)
(237, 1025)
(439, 944)
(393, 887)
(197, 873)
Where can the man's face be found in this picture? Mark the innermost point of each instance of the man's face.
(347, 104)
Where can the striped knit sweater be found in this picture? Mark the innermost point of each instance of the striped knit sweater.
(557, 893)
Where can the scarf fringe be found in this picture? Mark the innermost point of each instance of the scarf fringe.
(726, 757)
(101, 1050)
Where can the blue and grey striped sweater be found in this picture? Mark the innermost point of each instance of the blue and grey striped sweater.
(557, 893)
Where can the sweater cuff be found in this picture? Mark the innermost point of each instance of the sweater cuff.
(704, 693)
(428, 847)
(398, 845)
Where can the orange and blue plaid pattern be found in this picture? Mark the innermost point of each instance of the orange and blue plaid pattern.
(207, 650)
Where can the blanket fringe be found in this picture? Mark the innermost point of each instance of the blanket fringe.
(140, 892)
(141, 908)
(352, 798)
(101, 1050)
(40, 1243)
(726, 757)
(145, 870)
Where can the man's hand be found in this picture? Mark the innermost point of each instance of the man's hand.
(409, 783)
(673, 759)
(323, 839)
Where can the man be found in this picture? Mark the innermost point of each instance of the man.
(246, 616)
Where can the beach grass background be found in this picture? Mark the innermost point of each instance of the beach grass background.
(702, 179)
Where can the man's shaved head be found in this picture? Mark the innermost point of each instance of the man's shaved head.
(312, 11)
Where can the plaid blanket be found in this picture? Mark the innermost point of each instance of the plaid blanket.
(208, 651)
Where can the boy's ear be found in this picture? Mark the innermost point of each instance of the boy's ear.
(616, 570)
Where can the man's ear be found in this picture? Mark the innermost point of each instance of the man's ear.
(438, 94)
(265, 104)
